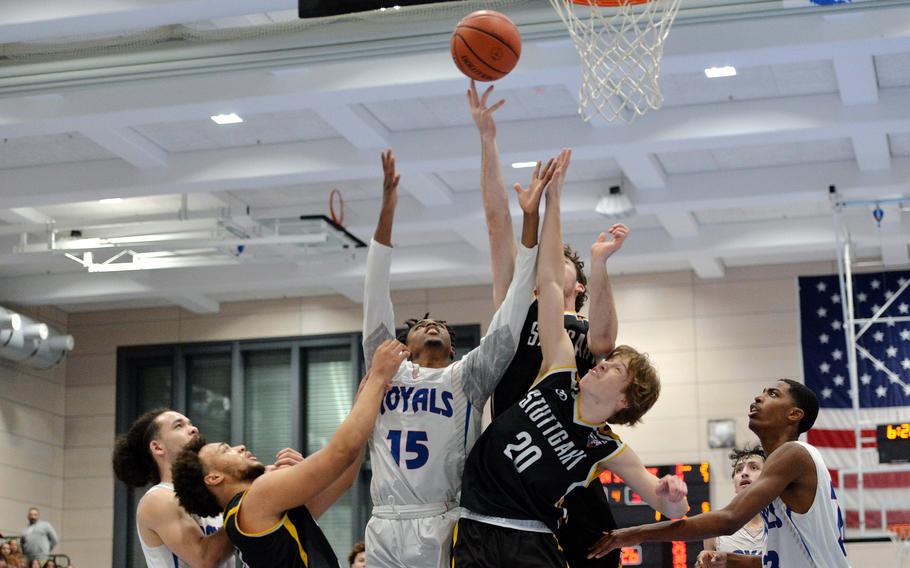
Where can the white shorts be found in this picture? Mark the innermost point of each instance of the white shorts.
(424, 542)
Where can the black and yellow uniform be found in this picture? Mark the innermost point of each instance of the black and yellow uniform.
(525, 365)
(526, 465)
(588, 509)
(296, 541)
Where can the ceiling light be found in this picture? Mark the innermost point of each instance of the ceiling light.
(232, 118)
(10, 320)
(111, 200)
(520, 165)
(35, 331)
(715, 72)
(615, 204)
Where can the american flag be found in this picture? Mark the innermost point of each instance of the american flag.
(883, 370)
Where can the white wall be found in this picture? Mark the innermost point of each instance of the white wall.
(717, 343)
(32, 410)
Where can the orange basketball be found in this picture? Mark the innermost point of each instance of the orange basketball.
(486, 45)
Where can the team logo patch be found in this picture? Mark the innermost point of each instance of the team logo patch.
(594, 440)
(562, 395)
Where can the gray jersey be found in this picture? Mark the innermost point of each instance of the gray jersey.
(430, 418)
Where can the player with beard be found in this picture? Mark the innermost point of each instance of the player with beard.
(431, 415)
(750, 539)
(270, 518)
(557, 439)
(168, 535)
(804, 526)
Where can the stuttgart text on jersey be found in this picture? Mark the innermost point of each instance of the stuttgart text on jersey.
(535, 406)
(578, 337)
(418, 399)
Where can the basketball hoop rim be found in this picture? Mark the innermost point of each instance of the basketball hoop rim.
(609, 3)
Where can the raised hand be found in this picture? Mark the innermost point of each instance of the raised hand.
(482, 114)
(673, 488)
(529, 197)
(554, 188)
(390, 180)
(613, 540)
(386, 360)
(603, 249)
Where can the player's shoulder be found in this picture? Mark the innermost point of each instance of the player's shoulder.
(558, 377)
(157, 506)
(790, 455)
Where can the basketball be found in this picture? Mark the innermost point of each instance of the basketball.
(486, 45)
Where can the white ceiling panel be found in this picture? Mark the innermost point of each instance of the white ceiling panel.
(759, 82)
(546, 101)
(308, 194)
(96, 210)
(49, 149)
(893, 70)
(265, 128)
(769, 213)
(687, 162)
(900, 144)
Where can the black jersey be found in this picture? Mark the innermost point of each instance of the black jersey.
(525, 365)
(535, 454)
(296, 541)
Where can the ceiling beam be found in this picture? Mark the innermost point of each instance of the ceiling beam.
(20, 215)
(128, 145)
(872, 151)
(856, 79)
(355, 123)
(196, 303)
(707, 267)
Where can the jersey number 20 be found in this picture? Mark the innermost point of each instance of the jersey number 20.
(415, 443)
(522, 453)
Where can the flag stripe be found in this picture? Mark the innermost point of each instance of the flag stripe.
(840, 438)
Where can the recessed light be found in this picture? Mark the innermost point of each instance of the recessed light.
(112, 200)
(231, 118)
(520, 165)
(715, 72)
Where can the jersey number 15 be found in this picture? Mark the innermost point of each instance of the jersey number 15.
(415, 443)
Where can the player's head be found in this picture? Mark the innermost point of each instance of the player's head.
(575, 284)
(786, 404)
(204, 471)
(426, 334)
(627, 381)
(357, 556)
(747, 465)
(150, 446)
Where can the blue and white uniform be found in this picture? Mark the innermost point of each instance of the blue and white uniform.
(428, 422)
(814, 539)
(742, 541)
(161, 556)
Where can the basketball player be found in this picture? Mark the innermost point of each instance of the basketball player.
(750, 539)
(556, 439)
(588, 510)
(430, 417)
(169, 536)
(804, 525)
(269, 517)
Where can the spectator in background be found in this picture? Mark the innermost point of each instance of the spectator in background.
(49, 564)
(34, 563)
(5, 552)
(15, 553)
(38, 538)
(357, 558)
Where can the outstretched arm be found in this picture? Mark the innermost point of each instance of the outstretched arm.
(273, 494)
(710, 558)
(378, 314)
(555, 344)
(667, 494)
(602, 310)
(493, 191)
(785, 465)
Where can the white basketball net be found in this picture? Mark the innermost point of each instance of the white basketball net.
(620, 49)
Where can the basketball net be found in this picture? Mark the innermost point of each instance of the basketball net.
(620, 43)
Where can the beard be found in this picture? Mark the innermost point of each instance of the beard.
(252, 472)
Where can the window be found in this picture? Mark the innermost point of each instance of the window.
(267, 394)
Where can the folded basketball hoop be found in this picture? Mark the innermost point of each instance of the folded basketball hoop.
(900, 535)
(620, 43)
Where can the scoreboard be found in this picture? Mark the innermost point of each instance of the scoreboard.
(629, 509)
(893, 442)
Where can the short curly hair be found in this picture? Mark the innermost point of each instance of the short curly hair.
(643, 389)
(132, 461)
(189, 472)
(357, 549)
(573, 257)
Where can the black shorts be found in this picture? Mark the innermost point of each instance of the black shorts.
(588, 517)
(480, 545)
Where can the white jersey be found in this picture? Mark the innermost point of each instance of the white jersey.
(814, 539)
(430, 418)
(742, 542)
(160, 556)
